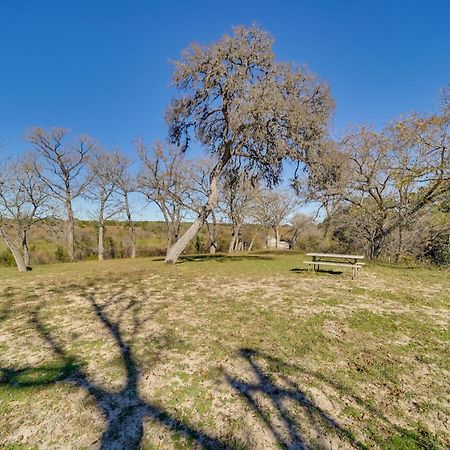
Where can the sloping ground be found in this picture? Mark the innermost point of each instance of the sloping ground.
(239, 352)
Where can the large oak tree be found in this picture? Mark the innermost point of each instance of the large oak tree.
(238, 102)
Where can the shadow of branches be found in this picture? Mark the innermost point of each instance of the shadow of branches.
(124, 410)
(282, 395)
(286, 411)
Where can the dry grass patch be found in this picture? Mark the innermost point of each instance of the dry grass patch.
(223, 353)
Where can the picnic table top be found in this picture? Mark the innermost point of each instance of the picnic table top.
(335, 255)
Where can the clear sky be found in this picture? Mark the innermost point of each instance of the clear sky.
(102, 67)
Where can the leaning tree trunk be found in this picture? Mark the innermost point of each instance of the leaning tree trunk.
(174, 252)
(15, 250)
(252, 241)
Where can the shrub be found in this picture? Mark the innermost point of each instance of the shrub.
(61, 254)
(7, 259)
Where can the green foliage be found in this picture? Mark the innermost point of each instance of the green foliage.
(439, 256)
(110, 247)
(61, 254)
(7, 259)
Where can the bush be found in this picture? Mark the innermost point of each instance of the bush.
(61, 254)
(439, 256)
(42, 256)
(151, 250)
(110, 248)
(7, 259)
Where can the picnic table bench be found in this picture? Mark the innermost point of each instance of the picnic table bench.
(331, 259)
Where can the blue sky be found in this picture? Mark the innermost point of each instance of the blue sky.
(102, 67)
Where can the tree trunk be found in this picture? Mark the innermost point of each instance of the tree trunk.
(101, 247)
(133, 241)
(234, 238)
(174, 252)
(170, 236)
(101, 226)
(232, 242)
(277, 238)
(267, 239)
(70, 231)
(376, 246)
(26, 250)
(131, 225)
(212, 231)
(14, 249)
(399, 251)
(252, 241)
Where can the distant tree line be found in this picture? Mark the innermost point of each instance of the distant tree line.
(383, 193)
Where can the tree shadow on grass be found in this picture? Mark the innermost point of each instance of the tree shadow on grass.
(219, 257)
(330, 272)
(124, 410)
(298, 270)
(282, 395)
(273, 384)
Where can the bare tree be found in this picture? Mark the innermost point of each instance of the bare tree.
(300, 224)
(239, 103)
(239, 190)
(62, 169)
(272, 209)
(163, 181)
(126, 185)
(105, 169)
(23, 198)
(197, 191)
(389, 178)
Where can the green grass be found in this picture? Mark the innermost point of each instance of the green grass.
(242, 349)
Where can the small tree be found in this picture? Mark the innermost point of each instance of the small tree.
(197, 191)
(239, 191)
(380, 183)
(105, 169)
(300, 225)
(62, 168)
(163, 180)
(23, 199)
(239, 103)
(126, 185)
(272, 209)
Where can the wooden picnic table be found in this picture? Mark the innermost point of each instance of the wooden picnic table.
(335, 259)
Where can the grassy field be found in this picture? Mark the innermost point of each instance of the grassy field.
(243, 352)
